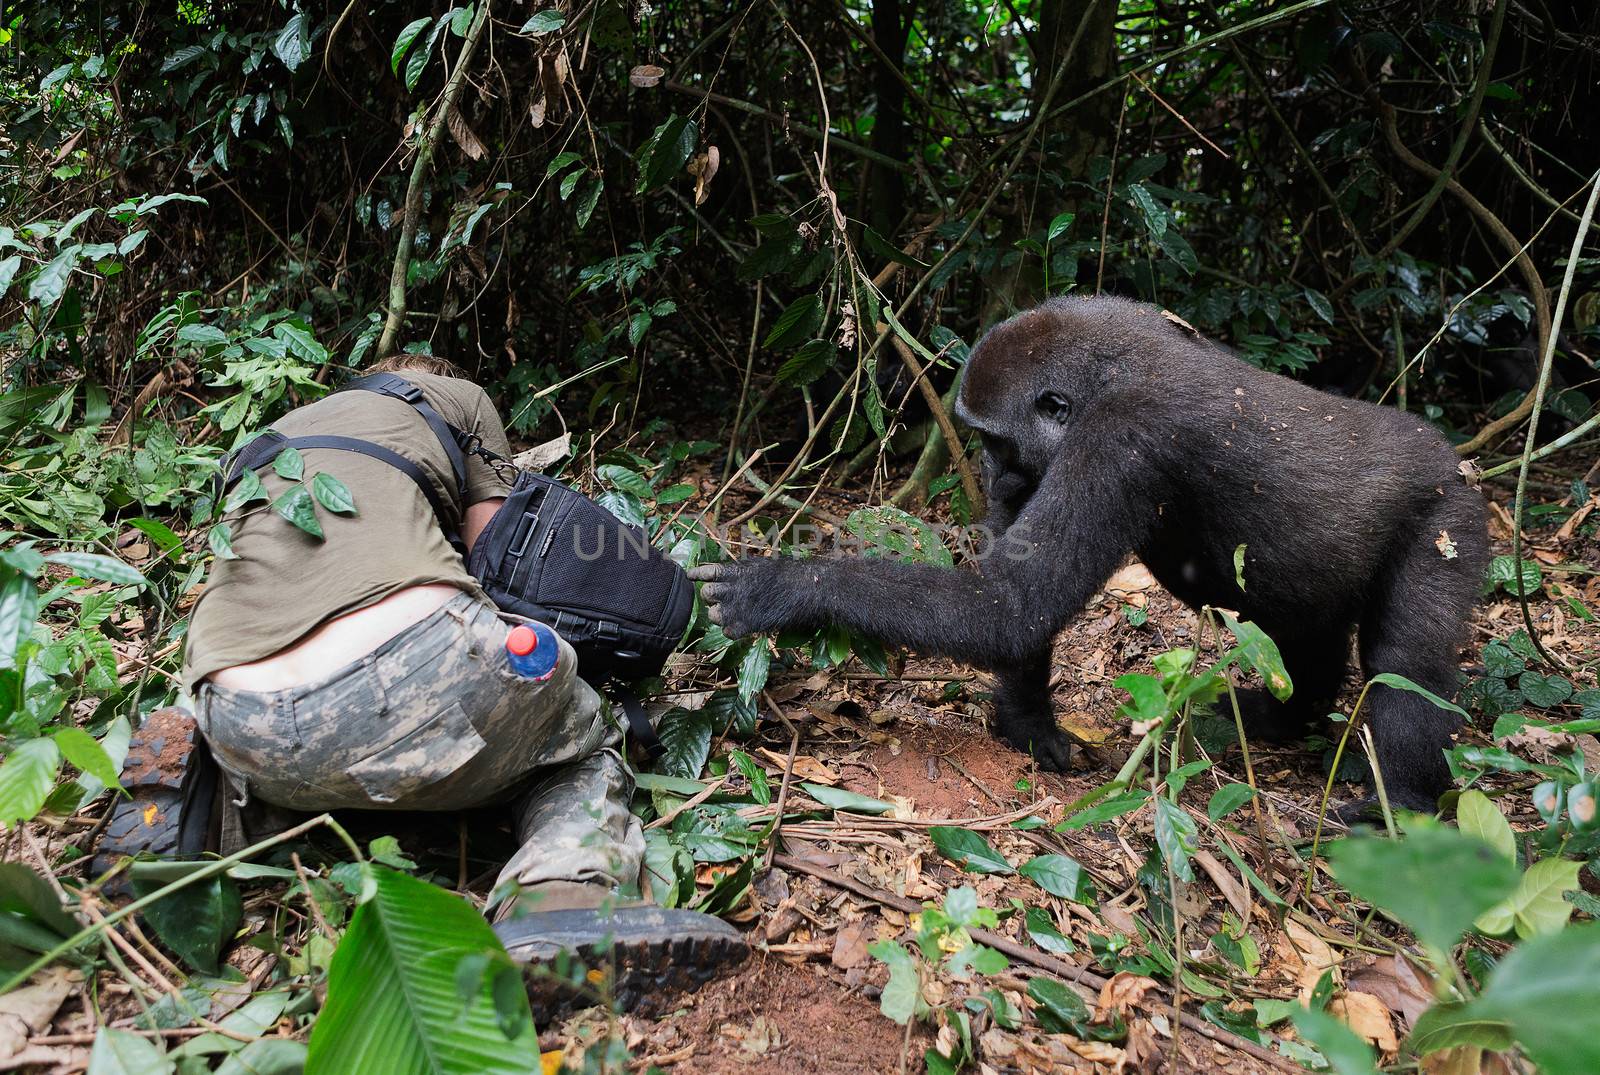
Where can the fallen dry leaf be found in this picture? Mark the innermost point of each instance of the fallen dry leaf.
(1307, 956)
(1462, 1060)
(806, 767)
(646, 75)
(1123, 992)
(850, 945)
(1367, 1016)
(1396, 983)
(1233, 890)
(28, 1011)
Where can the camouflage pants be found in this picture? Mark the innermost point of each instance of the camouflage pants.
(434, 720)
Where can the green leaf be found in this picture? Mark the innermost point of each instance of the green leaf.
(1059, 876)
(840, 799)
(676, 494)
(122, 1052)
(247, 489)
(686, 740)
(1503, 573)
(84, 751)
(49, 282)
(760, 786)
(291, 44)
(1177, 836)
(332, 494)
(628, 481)
(561, 161)
(297, 507)
(545, 22)
(1401, 683)
(1477, 815)
(1061, 223)
(1154, 213)
(753, 669)
(392, 1002)
(196, 922)
(1538, 906)
(403, 42)
(1260, 653)
(1347, 1053)
(26, 778)
(1238, 567)
(1045, 934)
(1542, 992)
(19, 607)
(1544, 691)
(92, 565)
(968, 849)
(1319, 305)
(1114, 807)
(220, 539)
(667, 151)
(1436, 880)
(8, 272)
(901, 999)
(1060, 1009)
(813, 359)
(799, 320)
(290, 465)
(1228, 798)
(266, 1056)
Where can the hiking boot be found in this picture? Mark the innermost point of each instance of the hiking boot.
(585, 946)
(150, 818)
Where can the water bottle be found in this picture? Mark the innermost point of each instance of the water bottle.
(532, 651)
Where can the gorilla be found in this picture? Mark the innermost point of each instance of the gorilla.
(1109, 428)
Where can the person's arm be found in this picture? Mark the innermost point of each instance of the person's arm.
(478, 516)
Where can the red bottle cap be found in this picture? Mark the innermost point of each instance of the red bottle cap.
(522, 641)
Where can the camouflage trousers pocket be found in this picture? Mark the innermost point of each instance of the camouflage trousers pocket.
(420, 758)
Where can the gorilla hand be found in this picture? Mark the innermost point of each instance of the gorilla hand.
(747, 597)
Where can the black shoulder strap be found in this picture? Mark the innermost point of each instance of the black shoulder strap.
(450, 438)
(644, 733)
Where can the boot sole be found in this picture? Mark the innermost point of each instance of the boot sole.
(639, 958)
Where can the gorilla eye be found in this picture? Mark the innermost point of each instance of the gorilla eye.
(1054, 406)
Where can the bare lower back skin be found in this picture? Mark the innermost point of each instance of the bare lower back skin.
(338, 642)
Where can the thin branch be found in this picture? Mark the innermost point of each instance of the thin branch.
(394, 321)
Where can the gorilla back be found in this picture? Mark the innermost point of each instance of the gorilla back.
(1111, 428)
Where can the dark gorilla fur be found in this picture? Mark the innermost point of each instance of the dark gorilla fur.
(1111, 428)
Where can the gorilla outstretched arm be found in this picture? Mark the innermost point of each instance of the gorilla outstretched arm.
(1066, 540)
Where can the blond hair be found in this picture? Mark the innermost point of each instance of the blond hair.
(403, 361)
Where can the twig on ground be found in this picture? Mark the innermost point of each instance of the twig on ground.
(788, 778)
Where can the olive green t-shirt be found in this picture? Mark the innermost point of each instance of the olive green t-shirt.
(286, 583)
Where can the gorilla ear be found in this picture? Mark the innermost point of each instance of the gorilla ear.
(1054, 406)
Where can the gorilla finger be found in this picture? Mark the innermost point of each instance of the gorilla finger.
(708, 594)
(707, 572)
(714, 614)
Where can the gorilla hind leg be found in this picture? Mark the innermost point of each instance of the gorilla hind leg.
(1315, 662)
(1024, 715)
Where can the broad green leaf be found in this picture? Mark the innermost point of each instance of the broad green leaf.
(403, 42)
(1114, 807)
(289, 464)
(1154, 214)
(392, 1002)
(1261, 653)
(1540, 995)
(122, 1052)
(753, 669)
(92, 565)
(1544, 691)
(676, 494)
(28, 898)
(1477, 815)
(220, 540)
(160, 533)
(627, 480)
(1060, 1009)
(26, 777)
(1399, 682)
(292, 44)
(901, 999)
(545, 22)
(8, 272)
(1346, 1052)
(1238, 566)
(1177, 836)
(1045, 934)
(19, 607)
(197, 921)
(1059, 875)
(667, 151)
(332, 494)
(1149, 697)
(247, 489)
(49, 282)
(840, 799)
(1228, 798)
(1503, 573)
(84, 751)
(1436, 880)
(266, 1056)
(1538, 905)
(297, 507)
(686, 739)
(968, 849)
(560, 161)
(799, 321)
(760, 786)
(1319, 305)
(810, 361)
(1061, 223)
